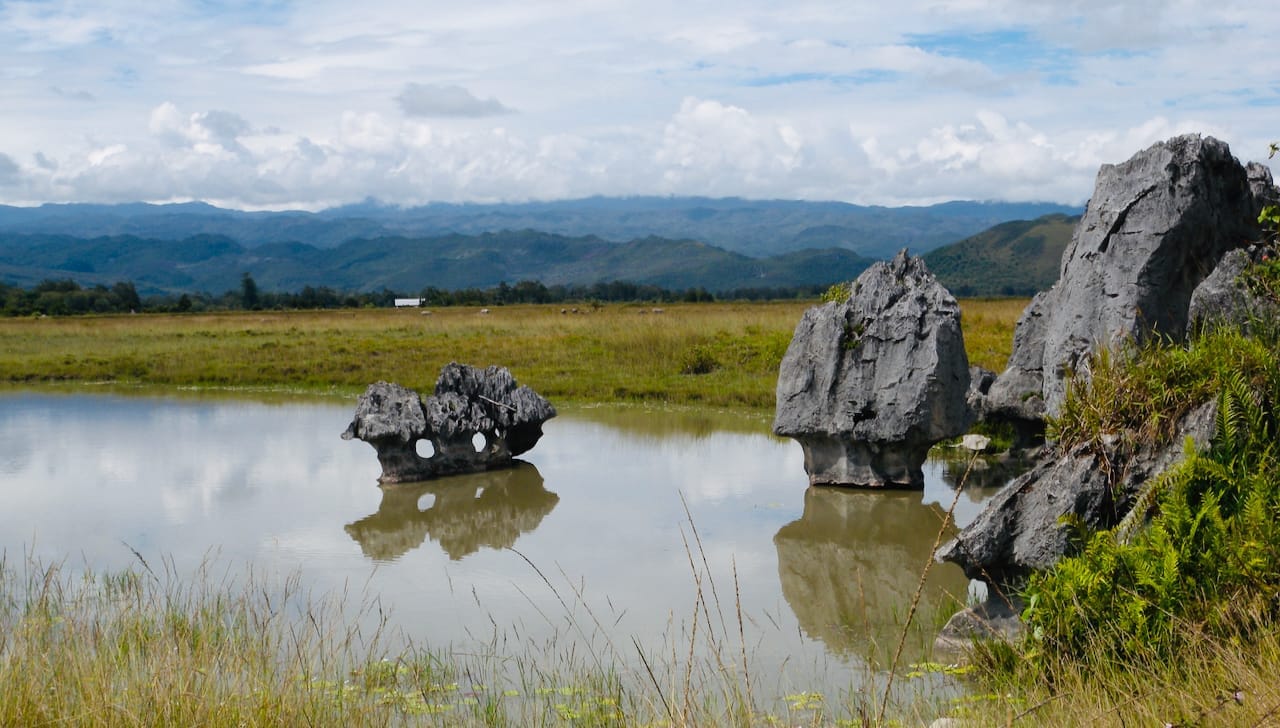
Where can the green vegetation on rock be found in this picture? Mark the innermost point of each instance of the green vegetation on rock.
(1210, 552)
(1184, 594)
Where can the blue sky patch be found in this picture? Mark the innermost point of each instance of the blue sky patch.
(1003, 51)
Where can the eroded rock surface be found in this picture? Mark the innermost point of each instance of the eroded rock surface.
(467, 401)
(1155, 227)
(993, 619)
(1158, 252)
(1225, 297)
(869, 384)
(1028, 525)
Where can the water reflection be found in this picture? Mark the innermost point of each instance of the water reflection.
(986, 474)
(90, 478)
(466, 513)
(851, 564)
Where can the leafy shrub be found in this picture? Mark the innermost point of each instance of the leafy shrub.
(1263, 278)
(838, 293)
(698, 360)
(1139, 393)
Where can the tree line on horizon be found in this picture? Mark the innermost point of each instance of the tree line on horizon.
(67, 297)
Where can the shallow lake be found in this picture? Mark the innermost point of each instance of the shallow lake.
(603, 534)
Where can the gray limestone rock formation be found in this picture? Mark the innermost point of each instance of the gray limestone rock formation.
(993, 619)
(1225, 296)
(869, 384)
(1159, 251)
(467, 401)
(1155, 227)
(1028, 524)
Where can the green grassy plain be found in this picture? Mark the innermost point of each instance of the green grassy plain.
(716, 354)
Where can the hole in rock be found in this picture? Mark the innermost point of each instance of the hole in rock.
(478, 441)
(425, 448)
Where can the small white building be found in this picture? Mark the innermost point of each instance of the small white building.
(408, 302)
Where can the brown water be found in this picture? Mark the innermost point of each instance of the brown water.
(605, 509)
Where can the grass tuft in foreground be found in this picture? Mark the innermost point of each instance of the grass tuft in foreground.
(137, 647)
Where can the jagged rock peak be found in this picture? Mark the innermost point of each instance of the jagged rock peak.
(1155, 227)
(870, 383)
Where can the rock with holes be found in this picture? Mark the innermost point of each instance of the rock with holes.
(869, 384)
(467, 402)
(1155, 227)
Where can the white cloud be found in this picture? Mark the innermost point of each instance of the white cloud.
(429, 100)
(275, 105)
(10, 172)
(208, 132)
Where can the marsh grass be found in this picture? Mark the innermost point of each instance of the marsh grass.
(146, 646)
(988, 325)
(1215, 680)
(722, 354)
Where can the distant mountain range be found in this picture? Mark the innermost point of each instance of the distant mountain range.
(1016, 258)
(674, 243)
(757, 228)
(214, 263)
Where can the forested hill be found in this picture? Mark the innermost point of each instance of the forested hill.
(1018, 258)
(757, 228)
(215, 263)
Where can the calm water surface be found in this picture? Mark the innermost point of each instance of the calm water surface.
(598, 507)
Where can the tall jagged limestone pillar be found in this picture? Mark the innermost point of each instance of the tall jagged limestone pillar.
(1155, 227)
(868, 385)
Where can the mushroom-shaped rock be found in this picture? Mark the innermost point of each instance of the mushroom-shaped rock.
(1153, 230)
(467, 401)
(869, 384)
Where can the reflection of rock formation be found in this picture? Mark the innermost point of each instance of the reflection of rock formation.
(986, 474)
(469, 512)
(849, 567)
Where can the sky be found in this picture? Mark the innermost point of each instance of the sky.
(275, 104)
